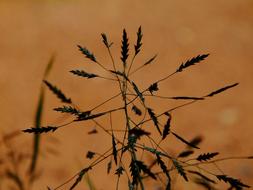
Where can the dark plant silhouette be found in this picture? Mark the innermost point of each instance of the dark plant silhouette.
(133, 127)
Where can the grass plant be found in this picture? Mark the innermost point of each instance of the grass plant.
(127, 153)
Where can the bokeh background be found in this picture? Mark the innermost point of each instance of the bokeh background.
(32, 31)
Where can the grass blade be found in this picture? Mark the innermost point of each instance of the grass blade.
(16, 179)
(49, 66)
(36, 139)
(38, 118)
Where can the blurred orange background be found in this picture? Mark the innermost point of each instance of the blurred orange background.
(176, 30)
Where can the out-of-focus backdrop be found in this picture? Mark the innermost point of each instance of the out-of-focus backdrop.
(176, 30)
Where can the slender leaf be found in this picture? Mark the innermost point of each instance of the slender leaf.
(38, 119)
(15, 178)
(49, 66)
(36, 138)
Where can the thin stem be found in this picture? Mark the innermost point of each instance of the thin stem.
(169, 110)
(114, 67)
(203, 163)
(165, 78)
(169, 97)
(115, 96)
(107, 78)
(132, 61)
(103, 67)
(94, 163)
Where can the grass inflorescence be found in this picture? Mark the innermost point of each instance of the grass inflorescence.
(130, 145)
